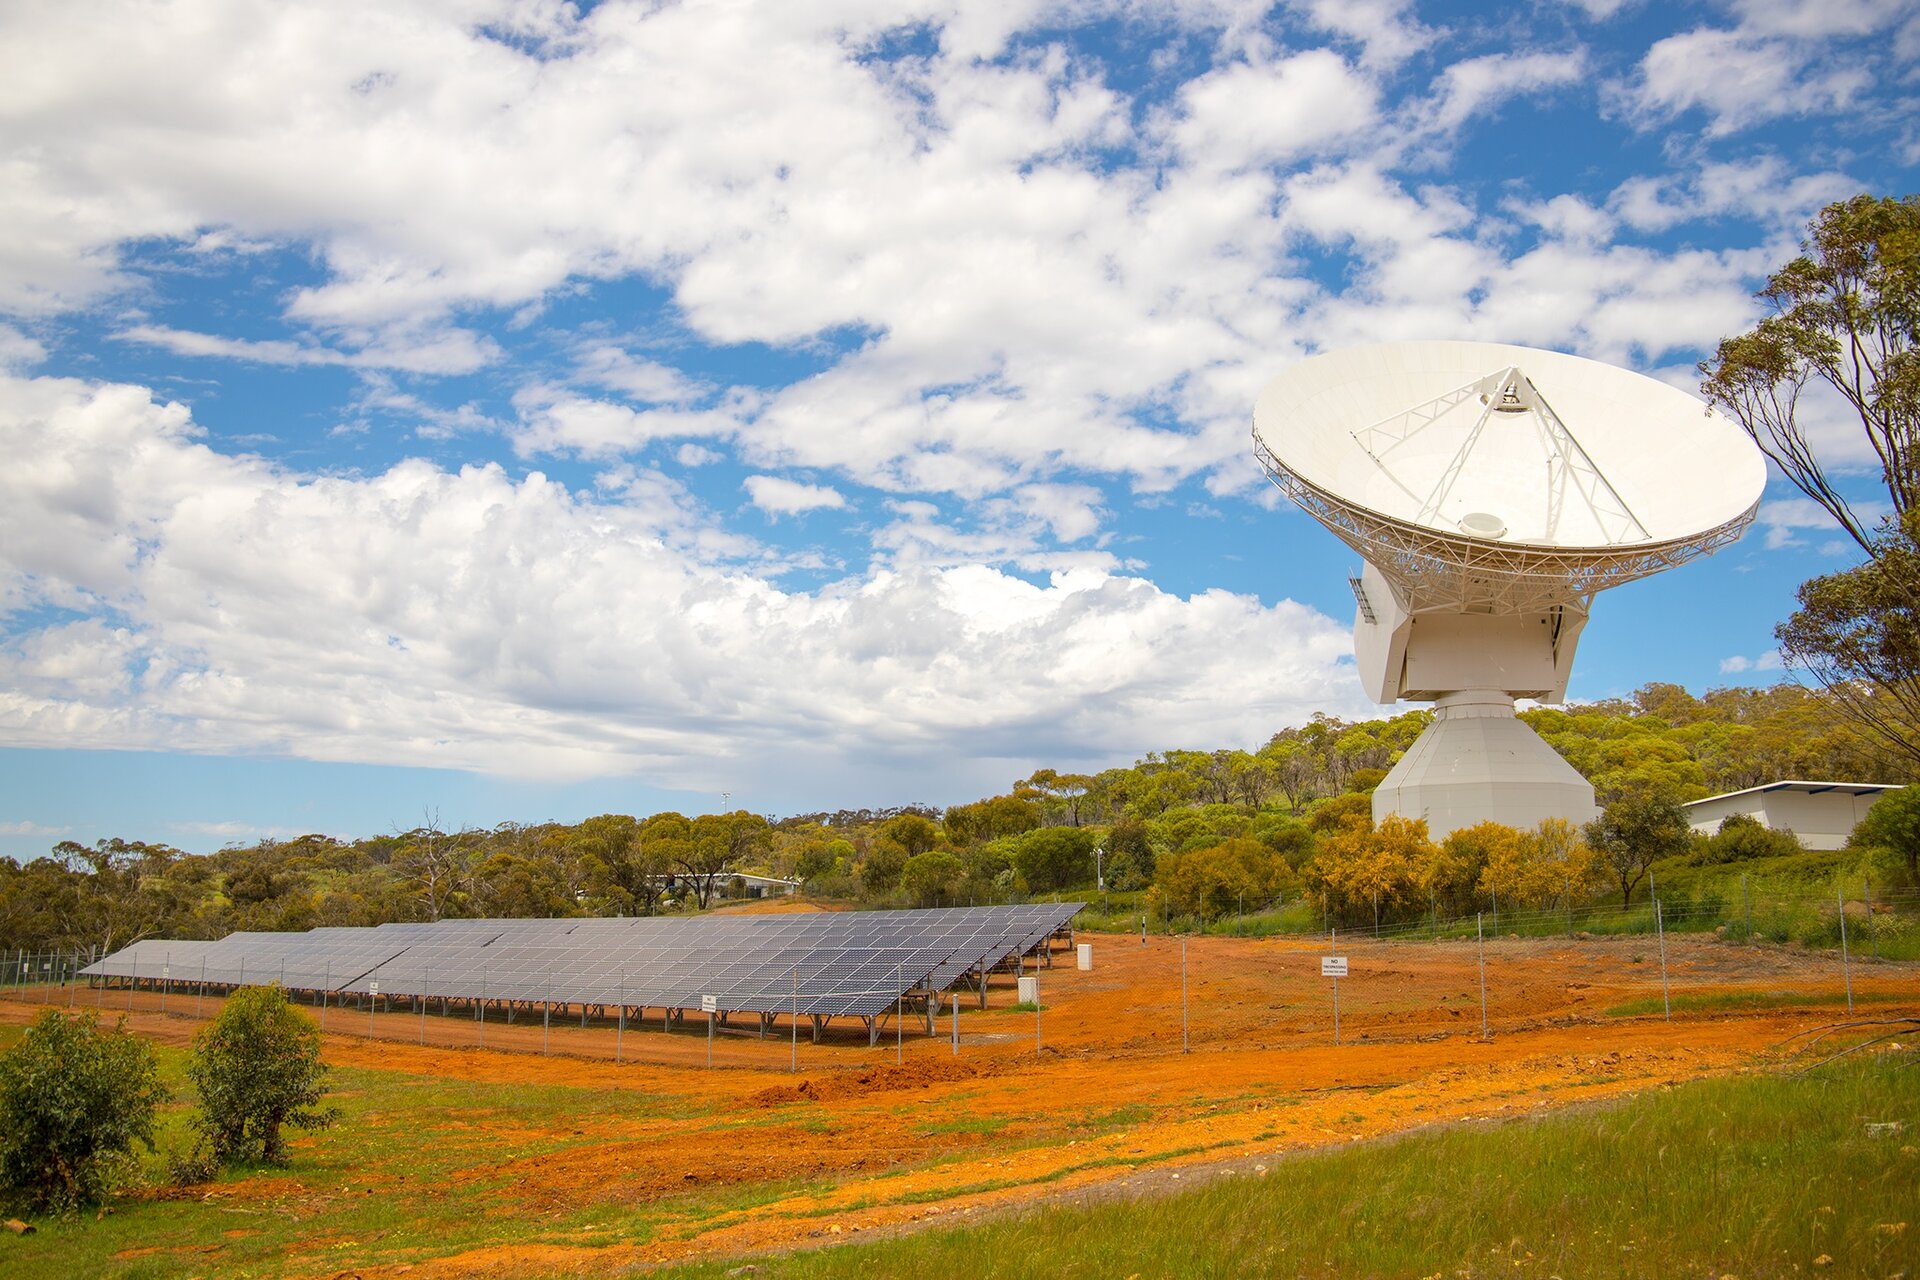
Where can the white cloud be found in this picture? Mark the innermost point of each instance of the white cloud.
(1739, 665)
(1740, 79)
(18, 351)
(26, 828)
(607, 365)
(467, 620)
(553, 420)
(1818, 18)
(1785, 519)
(1601, 10)
(779, 496)
(434, 350)
(1386, 29)
(1475, 86)
(1246, 114)
(695, 455)
(1762, 189)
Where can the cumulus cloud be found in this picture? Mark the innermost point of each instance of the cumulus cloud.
(950, 254)
(1743, 76)
(1470, 88)
(1256, 114)
(1761, 188)
(469, 620)
(18, 351)
(779, 496)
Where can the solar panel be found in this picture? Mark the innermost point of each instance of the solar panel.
(826, 964)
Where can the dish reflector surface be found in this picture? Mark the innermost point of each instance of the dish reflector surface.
(1480, 477)
(1461, 437)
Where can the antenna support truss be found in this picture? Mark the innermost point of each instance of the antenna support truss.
(1441, 570)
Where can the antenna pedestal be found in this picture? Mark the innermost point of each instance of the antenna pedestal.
(1477, 762)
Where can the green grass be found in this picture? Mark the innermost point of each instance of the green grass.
(1729, 1000)
(383, 1186)
(1753, 1176)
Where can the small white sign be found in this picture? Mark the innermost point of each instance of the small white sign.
(373, 988)
(1333, 966)
(166, 971)
(709, 1004)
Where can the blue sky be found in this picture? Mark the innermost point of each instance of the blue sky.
(523, 411)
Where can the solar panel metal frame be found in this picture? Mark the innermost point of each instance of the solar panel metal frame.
(829, 964)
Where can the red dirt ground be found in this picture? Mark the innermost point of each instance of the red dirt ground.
(1109, 1104)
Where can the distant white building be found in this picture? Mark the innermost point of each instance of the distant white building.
(1822, 814)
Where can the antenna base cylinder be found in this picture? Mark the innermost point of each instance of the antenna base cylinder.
(1477, 762)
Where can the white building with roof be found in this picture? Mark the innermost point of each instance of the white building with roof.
(1822, 814)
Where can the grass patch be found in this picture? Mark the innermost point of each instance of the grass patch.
(403, 1177)
(1726, 1000)
(964, 1124)
(1750, 1176)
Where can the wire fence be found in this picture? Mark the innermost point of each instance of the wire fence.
(1885, 921)
(1152, 993)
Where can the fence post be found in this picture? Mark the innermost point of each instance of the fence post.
(1746, 905)
(620, 1033)
(1480, 936)
(166, 977)
(1185, 1042)
(546, 1015)
(793, 1054)
(326, 989)
(1866, 899)
(426, 985)
(1660, 925)
(1846, 962)
(201, 989)
(481, 1008)
(956, 1025)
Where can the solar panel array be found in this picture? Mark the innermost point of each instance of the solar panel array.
(825, 964)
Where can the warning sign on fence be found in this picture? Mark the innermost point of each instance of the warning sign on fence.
(1333, 966)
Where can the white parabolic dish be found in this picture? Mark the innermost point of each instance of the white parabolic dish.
(1480, 474)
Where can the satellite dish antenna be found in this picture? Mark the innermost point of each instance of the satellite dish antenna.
(1491, 492)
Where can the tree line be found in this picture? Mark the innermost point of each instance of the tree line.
(1202, 829)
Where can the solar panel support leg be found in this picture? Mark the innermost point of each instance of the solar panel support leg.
(932, 1010)
(819, 1023)
(873, 1031)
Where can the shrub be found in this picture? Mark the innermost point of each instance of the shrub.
(931, 879)
(73, 1101)
(1055, 858)
(257, 1067)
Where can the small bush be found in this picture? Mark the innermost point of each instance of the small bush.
(257, 1067)
(73, 1101)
